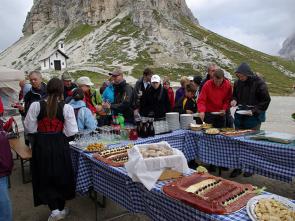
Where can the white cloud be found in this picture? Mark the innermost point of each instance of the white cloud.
(262, 25)
(12, 18)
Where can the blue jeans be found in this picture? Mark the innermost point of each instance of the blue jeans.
(5, 204)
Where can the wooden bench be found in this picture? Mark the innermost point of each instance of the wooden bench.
(24, 153)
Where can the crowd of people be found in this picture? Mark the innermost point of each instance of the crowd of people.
(55, 111)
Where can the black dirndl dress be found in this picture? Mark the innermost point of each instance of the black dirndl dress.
(52, 174)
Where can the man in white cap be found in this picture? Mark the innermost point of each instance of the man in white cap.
(92, 96)
(124, 97)
(155, 101)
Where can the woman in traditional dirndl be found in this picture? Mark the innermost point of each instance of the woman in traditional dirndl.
(51, 121)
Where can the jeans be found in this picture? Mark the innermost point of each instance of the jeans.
(5, 204)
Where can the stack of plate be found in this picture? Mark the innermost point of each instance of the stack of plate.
(172, 119)
(161, 127)
(186, 120)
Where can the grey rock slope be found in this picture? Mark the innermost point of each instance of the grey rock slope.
(288, 49)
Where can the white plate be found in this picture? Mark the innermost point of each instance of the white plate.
(216, 113)
(253, 201)
(243, 112)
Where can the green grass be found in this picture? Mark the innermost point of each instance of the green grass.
(57, 33)
(142, 61)
(79, 32)
(96, 78)
(126, 28)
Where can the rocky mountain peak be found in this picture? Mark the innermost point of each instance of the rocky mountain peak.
(288, 49)
(93, 12)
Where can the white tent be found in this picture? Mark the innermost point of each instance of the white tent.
(9, 85)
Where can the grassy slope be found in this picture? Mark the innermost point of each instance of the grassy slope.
(96, 78)
(260, 62)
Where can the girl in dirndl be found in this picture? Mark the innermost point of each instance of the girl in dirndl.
(51, 121)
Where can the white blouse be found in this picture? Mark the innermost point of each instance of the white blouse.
(70, 123)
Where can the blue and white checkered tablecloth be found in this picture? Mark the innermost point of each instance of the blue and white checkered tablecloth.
(113, 182)
(269, 159)
(219, 150)
(82, 170)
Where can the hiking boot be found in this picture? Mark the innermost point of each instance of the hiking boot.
(247, 174)
(55, 215)
(235, 173)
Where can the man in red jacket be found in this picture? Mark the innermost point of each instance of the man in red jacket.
(214, 100)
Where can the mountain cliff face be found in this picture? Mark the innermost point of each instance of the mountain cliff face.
(93, 12)
(162, 34)
(288, 49)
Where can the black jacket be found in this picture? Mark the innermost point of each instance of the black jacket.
(34, 95)
(182, 106)
(139, 86)
(155, 103)
(252, 92)
(68, 91)
(207, 78)
(124, 100)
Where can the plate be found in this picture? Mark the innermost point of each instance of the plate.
(253, 201)
(212, 131)
(216, 113)
(244, 112)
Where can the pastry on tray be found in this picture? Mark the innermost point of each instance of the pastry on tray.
(209, 193)
(115, 157)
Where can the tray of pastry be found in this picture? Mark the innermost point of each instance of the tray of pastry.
(209, 193)
(115, 157)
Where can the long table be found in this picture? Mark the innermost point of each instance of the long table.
(115, 184)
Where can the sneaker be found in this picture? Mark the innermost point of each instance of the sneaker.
(235, 173)
(65, 212)
(55, 215)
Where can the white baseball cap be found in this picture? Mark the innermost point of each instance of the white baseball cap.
(84, 81)
(155, 78)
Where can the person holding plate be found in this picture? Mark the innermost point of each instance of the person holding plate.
(252, 98)
(214, 100)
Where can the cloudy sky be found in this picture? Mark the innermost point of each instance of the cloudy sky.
(259, 24)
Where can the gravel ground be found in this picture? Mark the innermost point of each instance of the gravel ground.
(82, 208)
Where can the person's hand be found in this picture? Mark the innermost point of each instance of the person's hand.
(21, 108)
(98, 108)
(233, 103)
(222, 112)
(106, 105)
(202, 116)
(189, 112)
